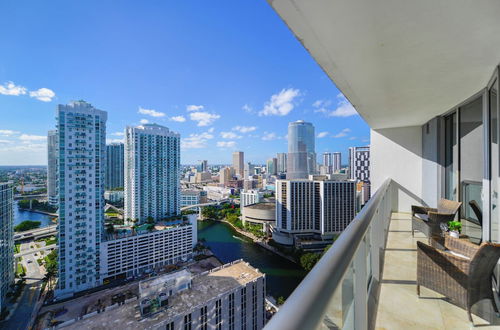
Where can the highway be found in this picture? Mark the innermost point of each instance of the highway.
(36, 233)
(29, 252)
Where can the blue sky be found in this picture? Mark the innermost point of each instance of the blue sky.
(227, 75)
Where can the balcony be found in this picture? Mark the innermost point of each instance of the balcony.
(367, 280)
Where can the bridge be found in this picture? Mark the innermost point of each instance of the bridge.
(36, 233)
(40, 197)
(225, 200)
(32, 251)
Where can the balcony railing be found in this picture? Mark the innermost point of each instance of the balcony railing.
(341, 290)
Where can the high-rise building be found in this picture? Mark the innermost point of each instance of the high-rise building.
(249, 170)
(114, 166)
(281, 162)
(359, 163)
(7, 241)
(337, 162)
(52, 167)
(272, 166)
(225, 175)
(321, 207)
(152, 173)
(204, 166)
(81, 172)
(301, 150)
(327, 166)
(238, 163)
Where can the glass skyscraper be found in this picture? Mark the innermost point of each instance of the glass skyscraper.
(6, 241)
(114, 166)
(301, 159)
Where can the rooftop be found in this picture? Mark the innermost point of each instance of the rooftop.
(205, 287)
(262, 206)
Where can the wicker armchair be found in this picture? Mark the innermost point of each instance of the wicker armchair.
(427, 220)
(463, 277)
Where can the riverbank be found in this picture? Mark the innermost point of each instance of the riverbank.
(259, 241)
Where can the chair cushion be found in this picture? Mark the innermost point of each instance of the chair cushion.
(421, 216)
(456, 254)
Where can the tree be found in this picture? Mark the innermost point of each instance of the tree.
(27, 225)
(51, 266)
(308, 260)
(280, 300)
(150, 220)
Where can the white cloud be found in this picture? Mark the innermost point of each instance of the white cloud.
(203, 118)
(118, 133)
(248, 108)
(270, 136)
(7, 132)
(43, 94)
(230, 135)
(151, 112)
(179, 119)
(193, 107)
(144, 121)
(244, 129)
(226, 144)
(211, 130)
(28, 147)
(27, 137)
(5, 141)
(196, 141)
(322, 135)
(352, 138)
(344, 108)
(342, 133)
(280, 104)
(9, 88)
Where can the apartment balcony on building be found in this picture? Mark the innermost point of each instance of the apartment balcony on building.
(425, 76)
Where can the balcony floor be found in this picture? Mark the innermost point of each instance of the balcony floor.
(399, 306)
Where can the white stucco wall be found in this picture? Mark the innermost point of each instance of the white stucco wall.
(396, 154)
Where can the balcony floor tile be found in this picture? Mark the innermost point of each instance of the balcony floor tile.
(399, 306)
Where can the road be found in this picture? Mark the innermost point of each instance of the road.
(36, 233)
(31, 251)
(22, 315)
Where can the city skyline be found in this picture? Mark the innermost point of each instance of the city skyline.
(216, 112)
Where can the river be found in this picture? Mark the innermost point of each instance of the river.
(282, 276)
(20, 216)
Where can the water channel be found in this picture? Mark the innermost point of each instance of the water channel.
(282, 276)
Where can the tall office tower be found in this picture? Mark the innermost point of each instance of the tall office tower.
(225, 175)
(272, 166)
(248, 170)
(52, 167)
(152, 173)
(81, 172)
(6, 241)
(320, 207)
(337, 162)
(327, 166)
(301, 153)
(327, 159)
(204, 166)
(281, 162)
(359, 163)
(114, 166)
(238, 163)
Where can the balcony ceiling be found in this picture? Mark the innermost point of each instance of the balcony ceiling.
(399, 62)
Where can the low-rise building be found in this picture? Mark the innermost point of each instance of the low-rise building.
(231, 296)
(262, 214)
(114, 196)
(193, 197)
(131, 252)
(248, 197)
